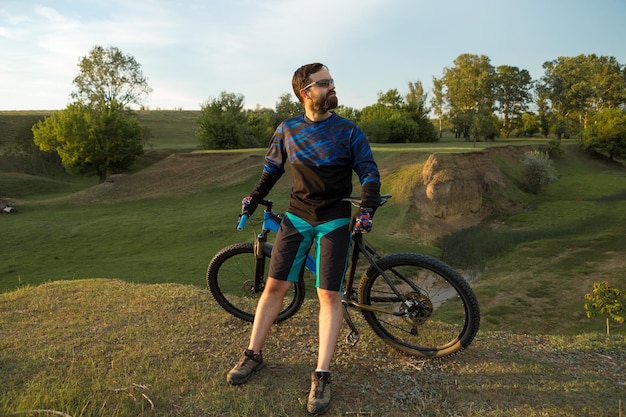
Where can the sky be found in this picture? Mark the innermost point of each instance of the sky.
(192, 50)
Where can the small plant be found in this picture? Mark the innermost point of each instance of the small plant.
(538, 170)
(607, 301)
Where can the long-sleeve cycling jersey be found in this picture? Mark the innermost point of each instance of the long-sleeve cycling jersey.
(322, 156)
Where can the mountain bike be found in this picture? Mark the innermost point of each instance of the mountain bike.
(414, 302)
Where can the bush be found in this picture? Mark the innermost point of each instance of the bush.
(555, 150)
(538, 170)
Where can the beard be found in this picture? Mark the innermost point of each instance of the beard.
(325, 104)
(331, 102)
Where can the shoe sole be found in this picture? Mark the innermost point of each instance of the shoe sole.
(311, 410)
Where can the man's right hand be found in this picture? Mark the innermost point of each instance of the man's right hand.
(249, 204)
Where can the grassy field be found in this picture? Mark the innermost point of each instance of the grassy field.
(104, 312)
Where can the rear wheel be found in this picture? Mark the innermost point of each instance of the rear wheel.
(230, 277)
(440, 314)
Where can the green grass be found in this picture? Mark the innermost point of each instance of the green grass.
(110, 348)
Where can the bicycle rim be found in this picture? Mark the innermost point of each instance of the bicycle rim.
(441, 317)
(230, 277)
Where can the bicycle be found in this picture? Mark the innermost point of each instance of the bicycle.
(414, 302)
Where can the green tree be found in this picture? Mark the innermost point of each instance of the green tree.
(579, 86)
(286, 108)
(438, 102)
(91, 141)
(260, 126)
(608, 301)
(96, 134)
(349, 113)
(392, 98)
(530, 124)
(545, 114)
(607, 133)
(107, 75)
(483, 127)
(469, 90)
(512, 94)
(222, 123)
(394, 120)
(415, 108)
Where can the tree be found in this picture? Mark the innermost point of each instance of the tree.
(349, 113)
(96, 134)
(469, 90)
(579, 86)
(91, 141)
(512, 93)
(107, 76)
(530, 124)
(608, 301)
(286, 107)
(416, 95)
(545, 114)
(222, 123)
(607, 133)
(393, 120)
(392, 98)
(483, 126)
(438, 102)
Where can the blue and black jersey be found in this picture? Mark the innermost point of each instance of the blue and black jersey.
(322, 156)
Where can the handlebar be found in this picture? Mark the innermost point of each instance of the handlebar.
(243, 219)
(356, 201)
(244, 216)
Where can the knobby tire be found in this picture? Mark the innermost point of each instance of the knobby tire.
(230, 278)
(442, 316)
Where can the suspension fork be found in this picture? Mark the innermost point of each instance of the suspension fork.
(353, 337)
(259, 262)
(259, 243)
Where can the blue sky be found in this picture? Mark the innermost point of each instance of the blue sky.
(192, 50)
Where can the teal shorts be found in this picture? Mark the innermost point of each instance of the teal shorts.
(294, 241)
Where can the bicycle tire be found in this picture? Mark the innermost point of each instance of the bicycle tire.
(443, 316)
(230, 279)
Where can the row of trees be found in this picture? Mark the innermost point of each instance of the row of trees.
(581, 96)
(224, 124)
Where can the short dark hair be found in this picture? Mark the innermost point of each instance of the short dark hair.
(301, 77)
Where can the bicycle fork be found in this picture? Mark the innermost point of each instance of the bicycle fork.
(259, 263)
(353, 337)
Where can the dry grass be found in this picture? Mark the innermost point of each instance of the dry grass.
(110, 348)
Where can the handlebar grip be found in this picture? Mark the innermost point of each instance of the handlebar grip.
(242, 221)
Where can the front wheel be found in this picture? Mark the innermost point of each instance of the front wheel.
(429, 309)
(230, 277)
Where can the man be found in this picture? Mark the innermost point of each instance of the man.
(323, 150)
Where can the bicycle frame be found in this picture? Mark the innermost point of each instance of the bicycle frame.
(413, 301)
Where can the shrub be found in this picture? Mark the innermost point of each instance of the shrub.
(555, 150)
(608, 301)
(538, 170)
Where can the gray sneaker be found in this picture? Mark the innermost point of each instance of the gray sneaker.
(319, 397)
(249, 362)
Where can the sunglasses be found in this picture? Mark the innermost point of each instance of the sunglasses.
(321, 83)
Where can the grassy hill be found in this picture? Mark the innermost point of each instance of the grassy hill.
(104, 312)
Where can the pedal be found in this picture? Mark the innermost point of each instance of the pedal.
(352, 338)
